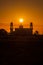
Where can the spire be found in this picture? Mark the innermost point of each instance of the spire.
(31, 27)
(11, 27)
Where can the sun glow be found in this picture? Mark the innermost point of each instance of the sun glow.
(21, 20)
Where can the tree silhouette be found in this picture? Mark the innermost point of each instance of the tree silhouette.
(3, 33)
(36, 33)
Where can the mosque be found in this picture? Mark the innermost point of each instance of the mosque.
(21, 30)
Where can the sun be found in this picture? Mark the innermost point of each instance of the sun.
(21, 20)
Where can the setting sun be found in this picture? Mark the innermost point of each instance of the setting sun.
(21, 20)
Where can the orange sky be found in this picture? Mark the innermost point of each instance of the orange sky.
(29, 10)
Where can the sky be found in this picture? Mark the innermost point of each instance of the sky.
(29, 10)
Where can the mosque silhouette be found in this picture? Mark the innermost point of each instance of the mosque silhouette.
(21, 30)
(18, 32)
(20, 47)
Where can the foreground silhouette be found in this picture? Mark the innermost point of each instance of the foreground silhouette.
(20, 48)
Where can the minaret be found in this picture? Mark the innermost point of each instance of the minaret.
(31, 27)
(11, 27)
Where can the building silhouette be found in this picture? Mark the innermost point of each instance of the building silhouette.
(21, 30)
(31, 27)
(11, 27)
(20, 47)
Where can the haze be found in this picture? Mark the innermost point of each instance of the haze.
(29, 10)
